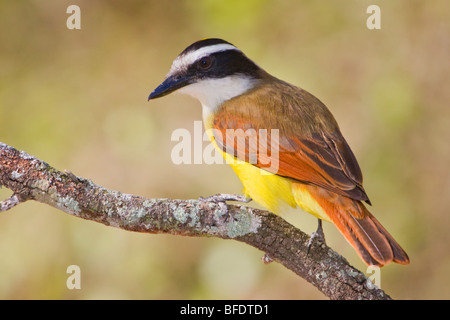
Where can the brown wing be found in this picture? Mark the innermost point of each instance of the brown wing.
(322, 159)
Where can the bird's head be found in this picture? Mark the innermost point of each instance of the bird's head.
(212, 71)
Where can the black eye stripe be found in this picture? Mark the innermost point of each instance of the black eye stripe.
(205, 62)
(224, 63)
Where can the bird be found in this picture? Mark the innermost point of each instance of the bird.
(304, 161)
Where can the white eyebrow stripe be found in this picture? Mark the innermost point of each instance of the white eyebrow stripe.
(185, 60)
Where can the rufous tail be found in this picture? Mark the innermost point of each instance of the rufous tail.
(370, 239)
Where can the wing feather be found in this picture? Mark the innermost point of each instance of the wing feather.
(319, 158)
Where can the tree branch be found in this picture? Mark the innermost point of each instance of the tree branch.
(32, 179)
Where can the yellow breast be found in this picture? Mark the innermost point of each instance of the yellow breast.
(272, 191)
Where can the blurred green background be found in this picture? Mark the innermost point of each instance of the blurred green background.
(77, 99)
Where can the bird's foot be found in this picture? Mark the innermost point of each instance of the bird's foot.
(266, 259)
(317, 236)
(221, 199)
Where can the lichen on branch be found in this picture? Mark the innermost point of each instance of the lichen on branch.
(32, 179)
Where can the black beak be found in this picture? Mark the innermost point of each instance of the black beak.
(168, 86)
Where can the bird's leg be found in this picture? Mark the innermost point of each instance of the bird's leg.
(221, 199)
(266, 259)
(318, 236)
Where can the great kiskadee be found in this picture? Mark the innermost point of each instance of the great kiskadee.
(316, 169)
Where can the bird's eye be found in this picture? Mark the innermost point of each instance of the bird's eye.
(205, 63)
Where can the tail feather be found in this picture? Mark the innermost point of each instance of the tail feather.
(400, 255)
(374, 242)
(360, 249)
(371, 240)
(361, 229)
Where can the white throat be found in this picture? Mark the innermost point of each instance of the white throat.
(213, 92)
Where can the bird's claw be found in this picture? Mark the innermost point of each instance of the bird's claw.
(221, 199)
